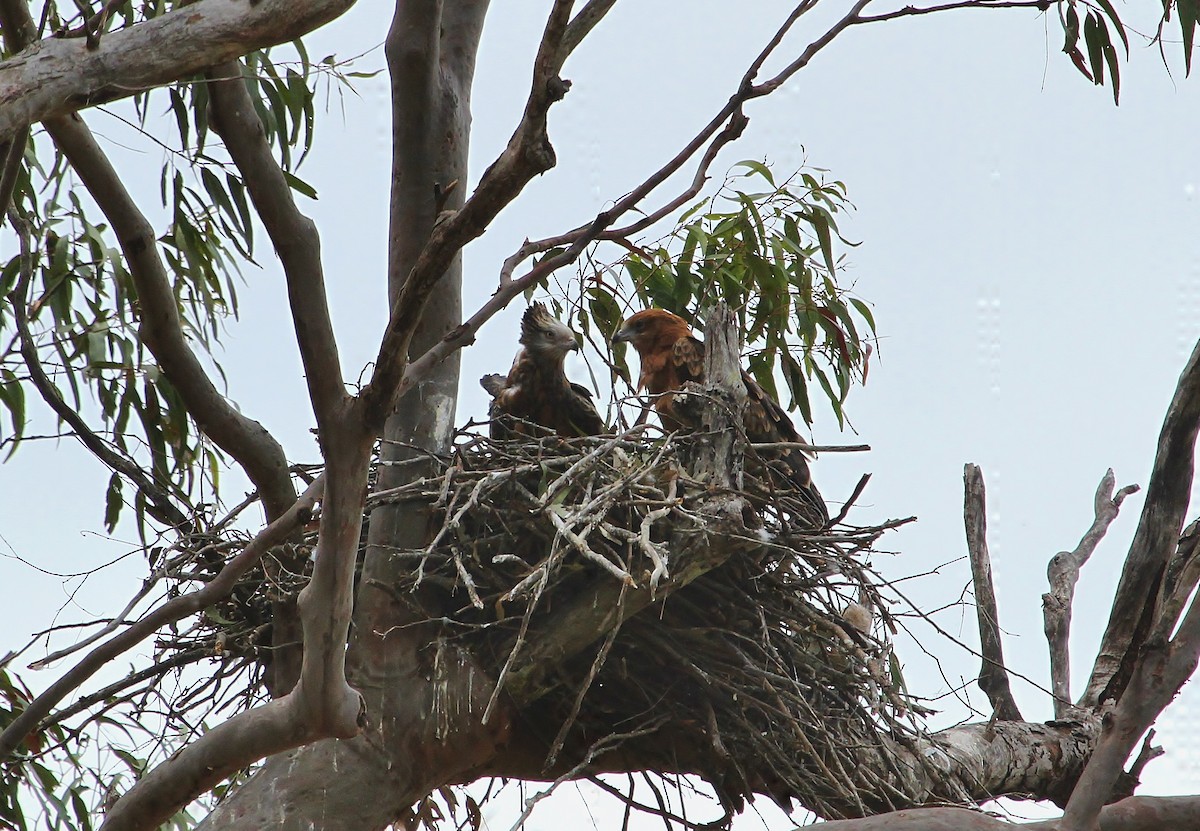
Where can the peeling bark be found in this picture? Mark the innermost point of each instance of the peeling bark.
(57, 77)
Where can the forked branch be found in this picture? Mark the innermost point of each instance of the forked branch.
(1063, 573)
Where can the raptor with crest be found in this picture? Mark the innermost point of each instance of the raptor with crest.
(536, 391)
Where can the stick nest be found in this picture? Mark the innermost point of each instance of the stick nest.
(771, 673)
(775, 667)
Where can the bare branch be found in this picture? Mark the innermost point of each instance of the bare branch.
(1162, 668)
(910, 11)
(1182, 575)
(993, 676)
(583, 22)
(157, 670)
(1062, 573)
(1134, 609)
(175, 609)
(528, 154)
(293, 235)
(62, 76)
(221, 752)
(320, 705)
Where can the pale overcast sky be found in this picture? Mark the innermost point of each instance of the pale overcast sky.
(1029, 250)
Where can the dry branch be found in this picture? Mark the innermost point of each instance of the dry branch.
(1062, 573)
(173, 610)
(1135, 607)
(993, 676)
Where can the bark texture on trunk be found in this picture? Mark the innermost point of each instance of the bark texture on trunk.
(424, 698)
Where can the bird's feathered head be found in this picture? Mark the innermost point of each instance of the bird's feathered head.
(651, 330)
(544, 334)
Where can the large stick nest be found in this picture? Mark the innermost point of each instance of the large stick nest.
(777, 662)
(771, 673)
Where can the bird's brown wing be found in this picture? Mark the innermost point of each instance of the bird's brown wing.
(535, 394)
(684, 363)
(766, 422)
(580, 414)
(687, 356)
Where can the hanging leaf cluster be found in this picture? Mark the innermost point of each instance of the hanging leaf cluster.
(79, 301)
(773, 255)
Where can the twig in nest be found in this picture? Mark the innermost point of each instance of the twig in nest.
(649, 548)
(585, 550)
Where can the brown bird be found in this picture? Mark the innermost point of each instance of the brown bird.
(672, 355)
(536, 390)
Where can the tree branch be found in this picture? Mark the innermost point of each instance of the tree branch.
(320, 705)
(222, 751)
(528, 154)
(1134, 609)
(993, 676)
(173, 610)
(1162, 668)
(1136, 813)
(62, 76)
(293, 235)
(583, 22)
(911, 11)
(1063, 573)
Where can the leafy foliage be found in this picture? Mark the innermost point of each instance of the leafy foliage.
(770, 254)
(1100, 50)
(81, 301)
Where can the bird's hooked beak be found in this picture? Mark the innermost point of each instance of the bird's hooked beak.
(623, 335)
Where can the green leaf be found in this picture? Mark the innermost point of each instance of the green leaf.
(1071, 29)
(864, 310)
(820, 224)
(1188, 11)
(1114, 71)
(298, 184)
(1095, 48)
(12, 394)
(113, 503)
(1116, 21)
(759, 168)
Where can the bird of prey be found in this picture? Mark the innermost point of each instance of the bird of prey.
(671, 355)
(536, 390)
